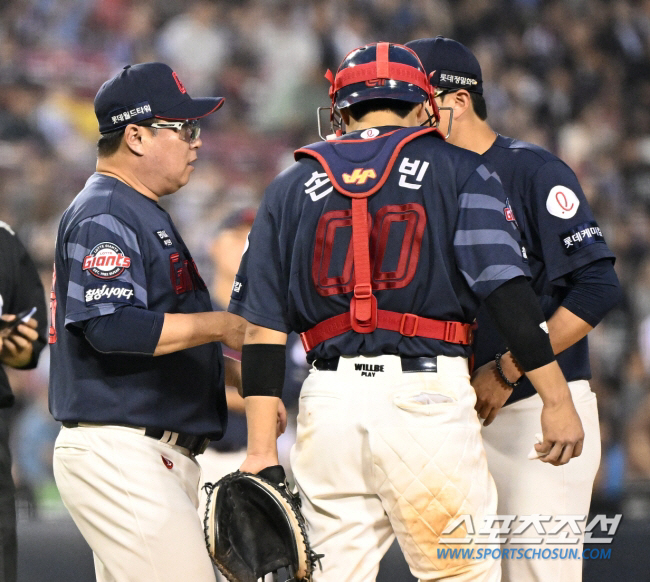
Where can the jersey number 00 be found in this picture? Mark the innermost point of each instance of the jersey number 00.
(414, 217)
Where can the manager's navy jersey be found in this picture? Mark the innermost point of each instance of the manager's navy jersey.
(116, 247)
(559, 234)
(440, 242)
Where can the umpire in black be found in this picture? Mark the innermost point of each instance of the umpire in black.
(20, 291)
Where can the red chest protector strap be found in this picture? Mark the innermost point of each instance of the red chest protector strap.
(408, 324)
(363, 305)
(364, 317)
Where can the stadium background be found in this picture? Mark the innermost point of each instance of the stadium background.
(570, 75)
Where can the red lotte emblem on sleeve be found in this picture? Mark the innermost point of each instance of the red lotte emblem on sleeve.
(510, 215)
(106, 261)
(167, 462)
(359, 176)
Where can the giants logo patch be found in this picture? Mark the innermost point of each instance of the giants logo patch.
(106, 261)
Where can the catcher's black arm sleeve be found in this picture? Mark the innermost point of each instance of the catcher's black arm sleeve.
(595, 291)
(262, 369)
(516, 312)
(129, 330)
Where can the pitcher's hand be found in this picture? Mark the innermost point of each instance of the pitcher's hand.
(491, 392)
(562, 431)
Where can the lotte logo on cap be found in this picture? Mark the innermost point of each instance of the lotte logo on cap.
(180, 85)
(106, 261)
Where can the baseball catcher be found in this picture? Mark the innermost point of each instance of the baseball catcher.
(253, 526)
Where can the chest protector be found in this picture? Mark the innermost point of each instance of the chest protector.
(341, 159)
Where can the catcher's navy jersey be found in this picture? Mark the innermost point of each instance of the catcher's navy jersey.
(559, 234)
(116, 247)
(440, 242)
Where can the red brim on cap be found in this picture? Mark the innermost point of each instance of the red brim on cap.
(192, 109)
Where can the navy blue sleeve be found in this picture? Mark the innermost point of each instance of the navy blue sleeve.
(595, 291)
(106, 269)
(127, 331)
(569, 234)
(486, 242)
(260, 289)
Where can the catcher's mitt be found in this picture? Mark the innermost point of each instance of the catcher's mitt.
(253, 526)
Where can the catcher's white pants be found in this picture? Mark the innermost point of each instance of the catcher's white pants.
(391, 454)
(531, 487)
(135, 500)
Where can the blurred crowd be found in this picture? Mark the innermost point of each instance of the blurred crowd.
(570, 75)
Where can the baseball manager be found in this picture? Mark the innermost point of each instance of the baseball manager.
(137, 372)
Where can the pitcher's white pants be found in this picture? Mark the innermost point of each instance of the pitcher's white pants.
(531, 487)
(135, 500)
(382, 453)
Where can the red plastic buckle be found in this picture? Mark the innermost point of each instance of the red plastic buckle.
(363, 291)
(450, 332)
(470, 334)
(364, 326)
(455, 332)
(305, 342)
(402, 324)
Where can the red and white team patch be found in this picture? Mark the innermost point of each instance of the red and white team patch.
(106, 261)
(509, 214)
(562, 202)
(167, 462)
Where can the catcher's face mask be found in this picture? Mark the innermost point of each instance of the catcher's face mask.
(439, 93)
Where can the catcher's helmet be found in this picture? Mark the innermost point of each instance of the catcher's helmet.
(380, 71)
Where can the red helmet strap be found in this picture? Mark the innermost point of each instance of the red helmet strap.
(383, 65)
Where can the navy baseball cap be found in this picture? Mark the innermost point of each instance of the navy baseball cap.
(453, 64)
(147, 90)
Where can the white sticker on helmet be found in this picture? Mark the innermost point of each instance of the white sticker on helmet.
(562, 202)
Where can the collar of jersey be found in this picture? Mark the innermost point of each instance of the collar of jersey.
(121, 184)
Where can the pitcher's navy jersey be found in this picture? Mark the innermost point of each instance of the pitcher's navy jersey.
(440, 243)
(116, 247)
(559, 235)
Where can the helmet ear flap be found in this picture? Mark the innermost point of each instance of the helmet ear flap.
(336, 122)
(330, 77)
